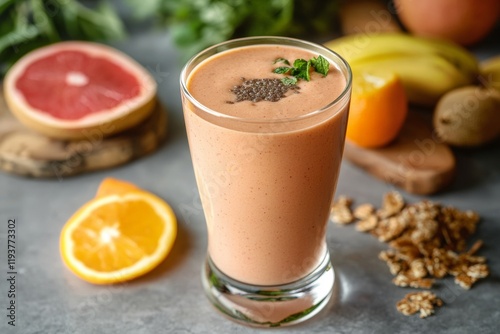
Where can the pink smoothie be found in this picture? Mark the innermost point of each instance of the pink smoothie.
(266, 171)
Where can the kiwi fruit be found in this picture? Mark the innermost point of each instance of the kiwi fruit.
(468, 116)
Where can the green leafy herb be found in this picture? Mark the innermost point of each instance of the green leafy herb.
(321, 65)
(196, 24)
(282, 70)
(281, 60)
(289, 81)
(29, 24)
(301, 69)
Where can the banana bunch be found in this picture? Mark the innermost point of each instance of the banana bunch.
(490, 72)
(428, 68)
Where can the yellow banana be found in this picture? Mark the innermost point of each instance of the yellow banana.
(457, 55)
(425, 77)
(490, 72)
(355, 48)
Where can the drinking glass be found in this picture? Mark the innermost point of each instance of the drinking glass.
(266, 187)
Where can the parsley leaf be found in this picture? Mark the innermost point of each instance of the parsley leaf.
(197, 24)
(289, 81)
(302, 69)
(282, 70)
(320, 64)
(281, 60)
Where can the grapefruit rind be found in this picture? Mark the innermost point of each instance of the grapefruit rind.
(107, 122)
(141, 267)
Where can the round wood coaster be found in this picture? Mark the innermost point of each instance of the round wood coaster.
(28, 153)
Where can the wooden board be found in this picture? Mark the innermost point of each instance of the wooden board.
(25, 152)
(416, 161)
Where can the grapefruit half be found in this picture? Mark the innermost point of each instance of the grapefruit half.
(69, 90)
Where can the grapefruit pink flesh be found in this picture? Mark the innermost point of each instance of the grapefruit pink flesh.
(70, 89)
(71, 84)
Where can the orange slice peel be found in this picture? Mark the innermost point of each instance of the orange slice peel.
(378, 109)
(118, 237)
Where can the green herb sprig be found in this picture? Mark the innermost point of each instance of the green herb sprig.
(197, 24)
(301, 69)
(28, 24)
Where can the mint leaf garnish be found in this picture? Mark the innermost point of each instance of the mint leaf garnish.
(301, 69)
(281, 60)
(321, 65)
(282, 70)
(289, 81)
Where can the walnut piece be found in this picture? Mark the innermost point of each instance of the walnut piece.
(367, 224)
(364, 211)
(406, 279)
(423, 301)
(340, 211)
(392, 204)
(427, 241)
(395, 263)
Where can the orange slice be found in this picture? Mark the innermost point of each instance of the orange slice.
(378, 108)
(118, 237)
(112, 186)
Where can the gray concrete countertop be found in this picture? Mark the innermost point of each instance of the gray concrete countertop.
(50, 299)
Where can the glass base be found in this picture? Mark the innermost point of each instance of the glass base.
(269, 306)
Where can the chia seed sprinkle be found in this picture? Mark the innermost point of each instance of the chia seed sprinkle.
(256, 90)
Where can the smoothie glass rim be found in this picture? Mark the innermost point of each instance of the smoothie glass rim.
(266, 40)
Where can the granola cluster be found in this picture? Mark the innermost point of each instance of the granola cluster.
(427, 240)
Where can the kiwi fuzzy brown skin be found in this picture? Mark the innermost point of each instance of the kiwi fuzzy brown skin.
(468, 116)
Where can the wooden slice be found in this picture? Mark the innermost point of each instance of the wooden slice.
(416, 161)
(28, 153)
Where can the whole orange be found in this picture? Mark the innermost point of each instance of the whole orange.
(378, 109)
(462, 21)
